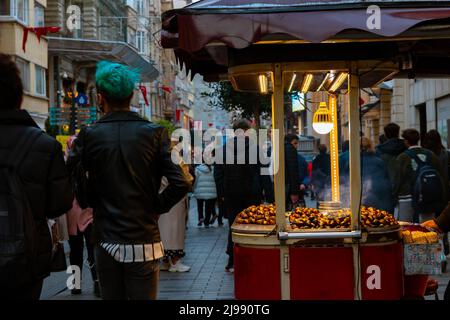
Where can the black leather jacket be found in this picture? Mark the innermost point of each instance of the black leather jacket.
(126, 157)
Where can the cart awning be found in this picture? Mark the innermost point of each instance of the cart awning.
(207, 36)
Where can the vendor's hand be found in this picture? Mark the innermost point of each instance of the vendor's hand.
(294, 198)
(302, 187)
(430, 224)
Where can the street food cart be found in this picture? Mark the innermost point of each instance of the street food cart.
(314, 45)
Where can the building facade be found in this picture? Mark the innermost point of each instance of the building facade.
(15, 15)
(422, 104)
(207, 116)
(91, 31)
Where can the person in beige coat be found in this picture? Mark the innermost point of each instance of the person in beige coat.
(172, 227)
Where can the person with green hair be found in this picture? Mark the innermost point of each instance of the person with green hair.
(125, 158)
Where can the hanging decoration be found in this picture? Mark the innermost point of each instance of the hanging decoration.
(166, 89)
(178, 115)
(144, 94)
(39, 31)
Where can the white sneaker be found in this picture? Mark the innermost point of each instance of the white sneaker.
(179, 267)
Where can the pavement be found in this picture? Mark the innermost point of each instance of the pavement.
(207, 280)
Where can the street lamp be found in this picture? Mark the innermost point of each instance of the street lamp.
(322, 123)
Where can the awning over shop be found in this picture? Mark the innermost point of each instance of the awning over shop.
(95, 50)
(211, 35)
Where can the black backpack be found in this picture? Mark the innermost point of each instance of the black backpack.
(18, 234)
(428, 191)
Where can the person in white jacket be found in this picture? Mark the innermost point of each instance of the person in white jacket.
(206, 194)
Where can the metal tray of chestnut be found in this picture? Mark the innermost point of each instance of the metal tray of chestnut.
(312, 220)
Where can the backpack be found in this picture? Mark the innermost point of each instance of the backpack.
(18, 233)
(427, 191)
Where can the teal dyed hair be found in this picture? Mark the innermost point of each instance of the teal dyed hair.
(115, 80)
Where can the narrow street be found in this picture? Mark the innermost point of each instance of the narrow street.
(207, 280)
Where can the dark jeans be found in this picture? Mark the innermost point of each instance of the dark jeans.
(447, 292)
(28, 292)
(76, 244)
(234, 205)
(122, 281)
(210, 209)
(222, 210)
(267, 186)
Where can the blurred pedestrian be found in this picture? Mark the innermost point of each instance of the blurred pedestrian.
(34, 187)
(206, 194)
(389, 150)
(239, 182)
(292, 173)
(344, 170)
(376, 188)
(433, 142)
(321, 173)
(79, 238)
(407, 181)
(267, 178)
(125, 158)
(172, 227)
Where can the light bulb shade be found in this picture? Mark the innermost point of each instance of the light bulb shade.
(323, 128)
(322, 123)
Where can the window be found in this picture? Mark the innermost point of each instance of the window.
(38, 15)
(40, 81)
(5, 8)
(443, 119)
(24, 68)
(132, 37)
(20, 8)
(140, 41)
(140, 7)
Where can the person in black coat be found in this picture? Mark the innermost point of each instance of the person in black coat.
(292, 173)
(45, 178)
(390, 149)
(239, 183)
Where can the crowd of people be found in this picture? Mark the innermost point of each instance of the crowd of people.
(119, 192)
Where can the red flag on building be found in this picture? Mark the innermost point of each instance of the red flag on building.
(144, 93)
(166, 89)
(177, 115)
(39, 31)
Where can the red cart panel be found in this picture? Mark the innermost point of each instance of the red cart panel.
(382, 272)
(321, 273)
(257, 273)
